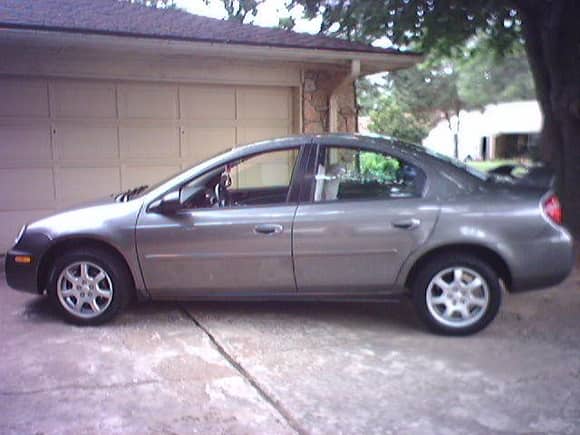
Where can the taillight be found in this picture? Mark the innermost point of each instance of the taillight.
(553, 209)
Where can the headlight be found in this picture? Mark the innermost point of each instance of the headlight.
(20, 234)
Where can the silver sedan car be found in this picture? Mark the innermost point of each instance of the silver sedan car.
(307, 217)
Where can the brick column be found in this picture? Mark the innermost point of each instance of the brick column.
(318, 88)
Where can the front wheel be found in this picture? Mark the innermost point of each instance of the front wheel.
(457, 294)
(89, 286)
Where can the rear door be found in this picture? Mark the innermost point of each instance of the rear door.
(364, 215)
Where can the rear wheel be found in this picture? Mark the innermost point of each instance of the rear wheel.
(457, 294)
(89, 286)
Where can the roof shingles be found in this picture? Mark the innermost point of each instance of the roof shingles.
(120, 17)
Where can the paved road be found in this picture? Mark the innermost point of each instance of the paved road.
(276, 368)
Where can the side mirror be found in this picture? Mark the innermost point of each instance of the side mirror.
(170, 203)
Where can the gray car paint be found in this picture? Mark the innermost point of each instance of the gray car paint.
(340, 246)
(212, 250)
(457, 208)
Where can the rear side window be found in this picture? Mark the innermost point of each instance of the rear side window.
(353, 173)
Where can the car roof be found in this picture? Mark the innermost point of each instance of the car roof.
(338, 139)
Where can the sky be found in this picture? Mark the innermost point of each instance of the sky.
(268, 15)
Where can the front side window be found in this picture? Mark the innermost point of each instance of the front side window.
(353, 173)
(261, 179)
(268, 170)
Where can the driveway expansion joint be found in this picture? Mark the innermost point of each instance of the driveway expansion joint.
(279, 407)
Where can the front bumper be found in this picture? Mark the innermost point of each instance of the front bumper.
(22, 276)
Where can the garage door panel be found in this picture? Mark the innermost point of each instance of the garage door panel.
(83, 100)
(271, 169)
(26, 185)
(254, 134)
(12, 221)
(207, 102)
(134, 176)
(25, 141)
(149, 142)
(263, 103)
(202, 143)
(79, 184)
(65, 141)
(23, 98)
(148, 101)
(84, 142)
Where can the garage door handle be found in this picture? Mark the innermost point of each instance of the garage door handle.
(268, 229)
(406, 224)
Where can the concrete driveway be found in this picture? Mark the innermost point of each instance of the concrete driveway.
(276, 368)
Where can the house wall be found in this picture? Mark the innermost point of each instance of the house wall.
(521, 117)
(75, 125)
(313, 84)
(145, 66)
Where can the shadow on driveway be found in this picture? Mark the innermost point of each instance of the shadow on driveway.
(395, 315)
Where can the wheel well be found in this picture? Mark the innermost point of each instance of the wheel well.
(59, 248)
(485, 254)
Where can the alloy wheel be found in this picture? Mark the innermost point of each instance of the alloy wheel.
(457, 297)
(84, 289)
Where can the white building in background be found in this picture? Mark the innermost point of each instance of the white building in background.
(503, 130)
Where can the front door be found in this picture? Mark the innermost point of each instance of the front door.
(238, 243)
(365, 216)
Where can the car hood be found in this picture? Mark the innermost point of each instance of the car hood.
(86, 204)
(96, 218)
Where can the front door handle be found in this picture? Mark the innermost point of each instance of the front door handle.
(406, 224)
(268, 229)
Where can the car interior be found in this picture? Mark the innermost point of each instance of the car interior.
(257, 180)
(347, 173)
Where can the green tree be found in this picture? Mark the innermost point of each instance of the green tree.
(484, 78)
(441, 88)
(378, 167)
(368, 95)
(430, 92)
(240, 10)
(286, 23)
(548, 29)
(392, 119)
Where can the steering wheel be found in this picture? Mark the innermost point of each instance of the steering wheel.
(210, 198)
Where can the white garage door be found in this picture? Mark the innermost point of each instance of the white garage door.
(65, 141)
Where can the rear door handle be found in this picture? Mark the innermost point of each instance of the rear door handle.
(406, 224)
(268, 229)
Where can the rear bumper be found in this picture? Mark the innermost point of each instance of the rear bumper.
(543, 263)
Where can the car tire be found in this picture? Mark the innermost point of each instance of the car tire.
(456, 294)
(89, 286)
